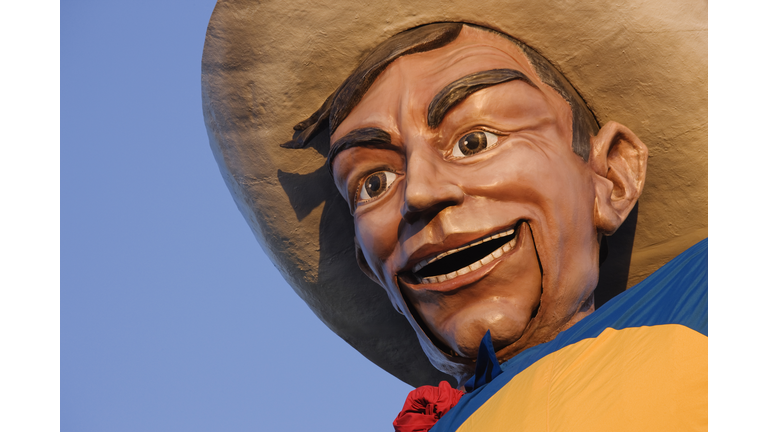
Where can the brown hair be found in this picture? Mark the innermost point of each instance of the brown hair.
(426, 38)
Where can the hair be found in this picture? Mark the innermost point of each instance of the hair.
(426, 38)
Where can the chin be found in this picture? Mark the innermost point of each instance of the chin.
(506, 320)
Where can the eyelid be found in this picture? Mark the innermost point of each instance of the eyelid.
(350, 170)
(499, 135)
(357, 201)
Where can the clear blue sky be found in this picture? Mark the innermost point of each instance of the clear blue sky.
(172, 317)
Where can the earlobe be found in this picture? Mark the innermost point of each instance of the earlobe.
(619, 160)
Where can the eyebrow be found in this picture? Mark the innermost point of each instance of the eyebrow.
(366, 137)
(463, 87)
(446, 99)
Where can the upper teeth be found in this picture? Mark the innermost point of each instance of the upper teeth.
(474, 266)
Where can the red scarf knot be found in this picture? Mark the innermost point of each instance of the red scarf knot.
(424, 407)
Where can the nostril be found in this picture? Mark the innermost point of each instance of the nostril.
(427, 203)
(426, 214)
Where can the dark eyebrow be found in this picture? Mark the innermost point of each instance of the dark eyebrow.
(366, 137)
(460, 89)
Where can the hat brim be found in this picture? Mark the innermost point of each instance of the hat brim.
(268, 65)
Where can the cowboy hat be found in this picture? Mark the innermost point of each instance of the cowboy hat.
(269, 65)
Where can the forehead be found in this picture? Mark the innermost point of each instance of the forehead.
(410, 82)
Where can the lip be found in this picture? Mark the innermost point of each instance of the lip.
(449, 252)
(409, 280)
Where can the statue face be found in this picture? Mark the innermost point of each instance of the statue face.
(483, 219)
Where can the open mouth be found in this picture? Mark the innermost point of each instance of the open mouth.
(464, 259)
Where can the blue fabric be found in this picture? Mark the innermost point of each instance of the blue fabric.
(487, 367)
(674, 294)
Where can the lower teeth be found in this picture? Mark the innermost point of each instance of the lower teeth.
(474, 266)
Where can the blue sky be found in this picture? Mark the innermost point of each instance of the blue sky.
(172, 318)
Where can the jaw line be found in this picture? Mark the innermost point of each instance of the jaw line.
(419, 321)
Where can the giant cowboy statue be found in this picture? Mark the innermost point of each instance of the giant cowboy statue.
(502, 203)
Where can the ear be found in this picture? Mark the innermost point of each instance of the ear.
(618, 159)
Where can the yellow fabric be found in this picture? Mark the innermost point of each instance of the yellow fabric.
(635, 379)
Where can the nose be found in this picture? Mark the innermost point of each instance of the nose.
(429, 187)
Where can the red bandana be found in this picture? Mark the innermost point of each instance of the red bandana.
(424, 407)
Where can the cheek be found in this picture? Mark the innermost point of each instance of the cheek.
(569, 246)
(578, 196)
(376, 232)
(556, 179)
(569, 211)
(519, 172)
(555, 184)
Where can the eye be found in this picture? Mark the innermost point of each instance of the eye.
(473, 143)
(376, 184)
